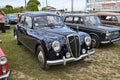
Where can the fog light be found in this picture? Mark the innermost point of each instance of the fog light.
(88, 47)
(83, 51)
(68, 54)
(57, 54)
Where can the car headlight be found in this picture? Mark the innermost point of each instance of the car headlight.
(3, 60)
(108, 33)
(56, 46)
(88, 41)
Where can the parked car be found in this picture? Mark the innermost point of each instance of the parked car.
(7, 25)
(12, 18)
(100, 33)
(109, 18)
(46, 35)
(55, 12)
(4, 69)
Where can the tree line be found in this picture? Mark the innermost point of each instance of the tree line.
(32, 5)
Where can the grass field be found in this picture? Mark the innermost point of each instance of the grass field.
(103, 65)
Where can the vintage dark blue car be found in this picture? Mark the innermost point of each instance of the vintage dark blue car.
(89, 23)
(46, 35)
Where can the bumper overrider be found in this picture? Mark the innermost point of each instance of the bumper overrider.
(5, 75)
(65, 60)
(105, 42)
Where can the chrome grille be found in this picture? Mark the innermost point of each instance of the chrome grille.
(74, 45)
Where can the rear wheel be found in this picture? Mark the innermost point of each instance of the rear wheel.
(16, 38)
(95, 41)
(41, 58)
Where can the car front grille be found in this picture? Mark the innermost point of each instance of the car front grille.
(74, 45)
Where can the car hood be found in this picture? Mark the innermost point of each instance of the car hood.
(59, 30)
(59, 33)
(108, 28)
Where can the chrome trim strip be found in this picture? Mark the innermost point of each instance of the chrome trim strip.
(63, 61)
(5, 75)
(104, 42)
(75, 45)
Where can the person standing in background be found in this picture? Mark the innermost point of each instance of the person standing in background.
(2, 21)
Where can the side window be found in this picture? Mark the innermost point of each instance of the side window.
(22, 18)
(102, 17)
(114, 18)
(78, 20)
(109, 18)
(28, 22)
(69, 19)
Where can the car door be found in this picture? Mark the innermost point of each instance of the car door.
(29, 37)
(20, 26)
(75, 22)
(79, 23)
(69, 21)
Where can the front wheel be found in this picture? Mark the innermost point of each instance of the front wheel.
(95, 41)
(41, 58)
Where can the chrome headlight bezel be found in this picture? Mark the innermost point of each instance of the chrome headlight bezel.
(108, 33)
(3, 60)
(88, 41)
(56, 46)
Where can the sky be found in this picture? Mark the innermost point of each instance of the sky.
(59, 4)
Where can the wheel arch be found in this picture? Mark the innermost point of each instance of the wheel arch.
(42, 44)
(94, 34)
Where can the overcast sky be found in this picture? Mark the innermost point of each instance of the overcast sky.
(59, 4)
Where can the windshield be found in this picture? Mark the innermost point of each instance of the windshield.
(48, 20)
(92, 20)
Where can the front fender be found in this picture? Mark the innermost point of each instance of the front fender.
(49, 52)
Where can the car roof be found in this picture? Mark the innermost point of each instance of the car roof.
(11, 14)
(107, 13)
(38, 13)
(78, 14)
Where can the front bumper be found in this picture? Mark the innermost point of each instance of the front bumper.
(64, 60)
(105, 42)
(5, 75)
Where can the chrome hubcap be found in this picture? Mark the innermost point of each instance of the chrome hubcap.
(94, 42)
(15, 37)
(41, 57)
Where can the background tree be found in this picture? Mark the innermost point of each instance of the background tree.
(8, 9)
(32, 7)
(34, 1)
(9, 6)
(44, 8)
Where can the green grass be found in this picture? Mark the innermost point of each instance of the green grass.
(103, 65)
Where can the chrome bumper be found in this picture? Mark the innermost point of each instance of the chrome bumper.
(104, 42)
(64, 60)
(5, 75)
